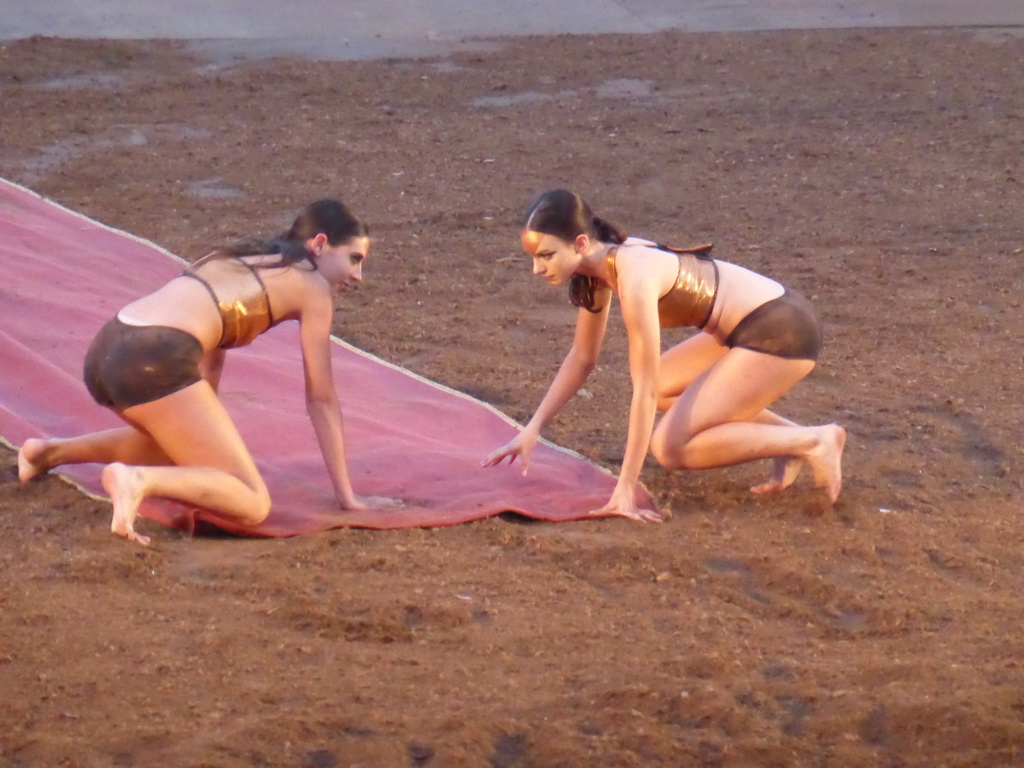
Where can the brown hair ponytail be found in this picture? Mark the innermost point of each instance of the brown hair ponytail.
(327, 216)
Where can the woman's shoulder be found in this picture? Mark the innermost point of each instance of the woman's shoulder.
(225, 260)
(639, 252)
(640, 242)
(297, 293)
(632, 249)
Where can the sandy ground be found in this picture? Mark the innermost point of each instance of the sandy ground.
(877, 171)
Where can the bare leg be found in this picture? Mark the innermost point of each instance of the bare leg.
(722, 419)
(211, 466)
(739, 442)
(125, 444)
(211, 489)
(785, 469)
(681, 365)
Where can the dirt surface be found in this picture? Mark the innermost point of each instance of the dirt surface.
(877, 171)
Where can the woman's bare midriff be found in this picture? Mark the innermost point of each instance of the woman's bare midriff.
(183, 303)
(740, 292)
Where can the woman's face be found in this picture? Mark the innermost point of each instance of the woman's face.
(553, 257)
(342, 265)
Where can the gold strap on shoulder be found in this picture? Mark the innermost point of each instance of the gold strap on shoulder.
(698, 250)
(610, 260)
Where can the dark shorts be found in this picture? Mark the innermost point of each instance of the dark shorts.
(784, 327)
(129, 365)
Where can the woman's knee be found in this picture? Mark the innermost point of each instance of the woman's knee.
(669, 450)
(259, 507)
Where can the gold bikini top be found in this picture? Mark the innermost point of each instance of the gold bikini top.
(692, 297)
(240, 295)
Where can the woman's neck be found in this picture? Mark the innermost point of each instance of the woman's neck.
(594, 262)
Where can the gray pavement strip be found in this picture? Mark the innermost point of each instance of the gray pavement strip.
(352, 29)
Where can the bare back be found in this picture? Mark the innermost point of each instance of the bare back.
(186, 304)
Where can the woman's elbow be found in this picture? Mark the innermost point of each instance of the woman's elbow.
(318, 402)
(584, 361)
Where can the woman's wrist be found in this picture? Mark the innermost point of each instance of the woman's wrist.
(531, 430)
(626, 484)
(346, 496)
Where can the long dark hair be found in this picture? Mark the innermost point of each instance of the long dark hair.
(328, 216)
(564, 214)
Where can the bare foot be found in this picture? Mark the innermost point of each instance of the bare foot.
(826, 460)
(124, 485)
(785, 470)
(31, 459)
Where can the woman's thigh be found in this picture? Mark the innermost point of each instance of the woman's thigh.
(738, 387)
(195, 430)
(682, 364)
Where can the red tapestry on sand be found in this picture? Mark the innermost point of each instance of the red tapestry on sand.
(65, 275)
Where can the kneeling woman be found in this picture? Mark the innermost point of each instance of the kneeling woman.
(758, 340)
(157, 365)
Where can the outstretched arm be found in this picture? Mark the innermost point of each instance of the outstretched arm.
(582, 357)
(638, 295)
(322, 399)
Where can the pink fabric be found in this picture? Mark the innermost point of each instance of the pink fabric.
(65, 275)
